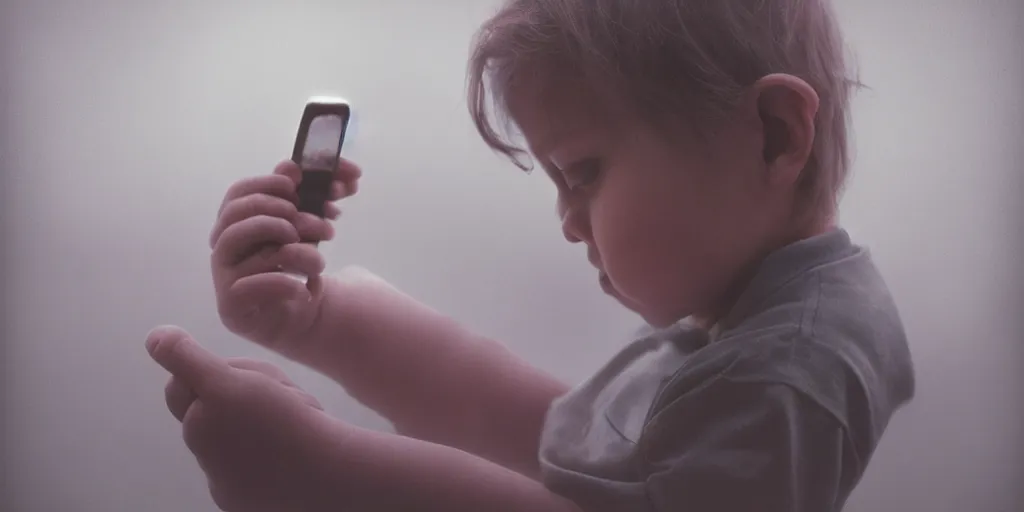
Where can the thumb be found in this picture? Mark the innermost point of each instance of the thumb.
(175, 350)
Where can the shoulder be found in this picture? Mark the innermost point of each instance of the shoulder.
(817, 372)
(767, 360)
(772, 374)
(740, 445)
(831, 333)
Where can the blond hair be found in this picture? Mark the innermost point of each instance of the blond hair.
(671, 61)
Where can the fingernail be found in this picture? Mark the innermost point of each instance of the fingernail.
(156, 336)
(151, 343)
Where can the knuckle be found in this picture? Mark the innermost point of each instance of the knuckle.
(318, 263)
(287, 208)
(237, 320)
(230, 215)
(196, 429)
(266, 257)
(268, 369)
(285, 166)
(281, 185)
(239, 399)
(271, 184)
(238, 188)
(311, 226)
(277, 207)
(278, 225)
(170, 389)
(291, 251)
(241, 361)
(245, 207)
(308, 399)
(280, 179)
(304, 256)
(264, 228)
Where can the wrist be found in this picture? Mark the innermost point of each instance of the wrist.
(328, 483)
(333, 335)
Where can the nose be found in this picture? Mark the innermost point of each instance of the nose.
(575, 225)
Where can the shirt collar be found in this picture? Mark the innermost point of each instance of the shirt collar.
(783, 266)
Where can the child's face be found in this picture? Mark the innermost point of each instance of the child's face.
(672, 224)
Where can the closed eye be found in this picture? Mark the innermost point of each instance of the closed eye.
(582, 173)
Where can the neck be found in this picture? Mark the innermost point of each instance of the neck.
(709, 318)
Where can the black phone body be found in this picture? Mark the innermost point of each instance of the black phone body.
(317, 150)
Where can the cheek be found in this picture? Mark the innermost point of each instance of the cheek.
(649, 249)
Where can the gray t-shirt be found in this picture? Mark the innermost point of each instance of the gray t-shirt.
(779, 408)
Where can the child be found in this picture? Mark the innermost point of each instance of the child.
(698, 149)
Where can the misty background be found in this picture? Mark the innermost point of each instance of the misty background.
(123, 123)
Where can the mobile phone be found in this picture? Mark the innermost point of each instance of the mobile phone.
(317, 150)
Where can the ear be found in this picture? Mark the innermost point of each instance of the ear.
(786, 108)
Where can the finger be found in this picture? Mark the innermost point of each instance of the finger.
(306, 398)
(270, 370)
(300, 258)
(290, 169)
(311, 227)
(280, 185)
(248, 294)
(343, 189)
(332, 211)
(243, 238)
(175, 350)
(251, 206)
(179, 398)
(315, 285)
(347, 170)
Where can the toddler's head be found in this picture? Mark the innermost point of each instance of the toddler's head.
(687, 138)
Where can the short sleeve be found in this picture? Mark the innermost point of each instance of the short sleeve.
(741, 446)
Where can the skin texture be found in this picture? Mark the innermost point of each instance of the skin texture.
(267, 446)
(674, 224)
(430, 377)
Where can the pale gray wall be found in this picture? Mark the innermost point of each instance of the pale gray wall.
(124, 122)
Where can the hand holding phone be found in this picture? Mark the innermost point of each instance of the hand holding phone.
(264, 256)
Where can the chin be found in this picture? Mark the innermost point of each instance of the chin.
(657, 320)
(662, 318)
(654, 318)
(660, 322)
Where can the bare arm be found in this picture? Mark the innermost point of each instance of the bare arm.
(429, 376)
(366, 470)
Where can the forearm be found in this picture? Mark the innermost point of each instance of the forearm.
(365, 470)
(427, 374)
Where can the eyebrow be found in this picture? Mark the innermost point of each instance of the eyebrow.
(547, 144)
(553, 137)
(553, 173)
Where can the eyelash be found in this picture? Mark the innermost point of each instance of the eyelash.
(588, 169)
